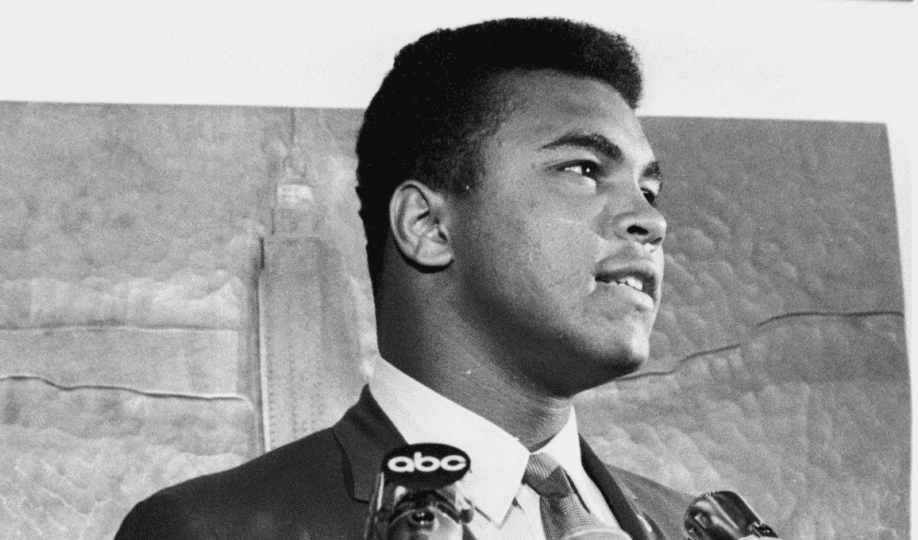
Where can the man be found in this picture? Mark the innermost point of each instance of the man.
(509, 200)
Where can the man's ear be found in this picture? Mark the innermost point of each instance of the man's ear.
(418, 218)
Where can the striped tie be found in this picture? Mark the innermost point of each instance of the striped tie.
(563, 515)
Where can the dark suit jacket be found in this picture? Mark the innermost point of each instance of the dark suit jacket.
(318, 488)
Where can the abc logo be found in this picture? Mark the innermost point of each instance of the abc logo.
(425, 465)
(422, 463)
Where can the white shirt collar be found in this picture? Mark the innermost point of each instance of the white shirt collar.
(498, 460)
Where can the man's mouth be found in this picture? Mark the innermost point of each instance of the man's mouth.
(631, 281)
(640, 277)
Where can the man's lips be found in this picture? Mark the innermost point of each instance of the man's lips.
(640, 275)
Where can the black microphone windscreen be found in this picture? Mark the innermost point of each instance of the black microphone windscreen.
(724, 515)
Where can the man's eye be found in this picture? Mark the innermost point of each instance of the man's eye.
(583, 168)
(651, 196)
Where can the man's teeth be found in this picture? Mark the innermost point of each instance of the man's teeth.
(632, 282)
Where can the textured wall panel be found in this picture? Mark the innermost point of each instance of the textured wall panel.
(75, 461)
(190, 297)
(155, 360)
(769, 218)
(129, 251)
(149, 209)
(778, 362)
(808, 419)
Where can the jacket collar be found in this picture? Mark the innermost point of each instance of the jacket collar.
(366, 434)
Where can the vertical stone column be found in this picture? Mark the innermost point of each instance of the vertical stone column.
(317, 327)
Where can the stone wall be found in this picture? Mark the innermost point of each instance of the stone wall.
(183, 287)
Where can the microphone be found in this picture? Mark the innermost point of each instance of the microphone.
(419, 495)
(724, 515)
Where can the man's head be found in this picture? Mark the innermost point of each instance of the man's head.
(503, 171)
(443, 97)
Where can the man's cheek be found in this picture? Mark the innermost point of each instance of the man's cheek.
(573, 262)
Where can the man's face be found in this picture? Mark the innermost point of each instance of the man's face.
(558, 255)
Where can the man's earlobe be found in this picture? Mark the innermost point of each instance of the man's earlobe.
(418, 218)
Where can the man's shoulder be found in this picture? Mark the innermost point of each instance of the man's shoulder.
(314, 487)
(303, 461)
(274, 494)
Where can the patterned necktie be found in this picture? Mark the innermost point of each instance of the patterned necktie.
(563, 515)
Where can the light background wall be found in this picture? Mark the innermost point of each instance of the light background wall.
(271, 56)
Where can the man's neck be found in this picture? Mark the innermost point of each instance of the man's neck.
(531, 418)
(473, 378)
(423, 331)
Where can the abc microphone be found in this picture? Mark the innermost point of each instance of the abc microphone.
(419, 495)
(724, 515)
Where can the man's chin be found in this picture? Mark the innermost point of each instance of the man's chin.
(598, 369)
(624, 359)
(620, 346)
(621, 367)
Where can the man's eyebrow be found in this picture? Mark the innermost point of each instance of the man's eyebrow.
(602, 146)
(591, 141)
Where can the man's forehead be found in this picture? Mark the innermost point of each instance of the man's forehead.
(548, 103)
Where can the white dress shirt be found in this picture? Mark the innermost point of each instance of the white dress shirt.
(506, 508)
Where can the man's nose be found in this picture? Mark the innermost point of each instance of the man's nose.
(636, 220)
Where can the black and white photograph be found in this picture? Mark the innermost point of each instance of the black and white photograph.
(581, 270)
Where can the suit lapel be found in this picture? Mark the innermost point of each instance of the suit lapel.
(365, 434)
(619, 497)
